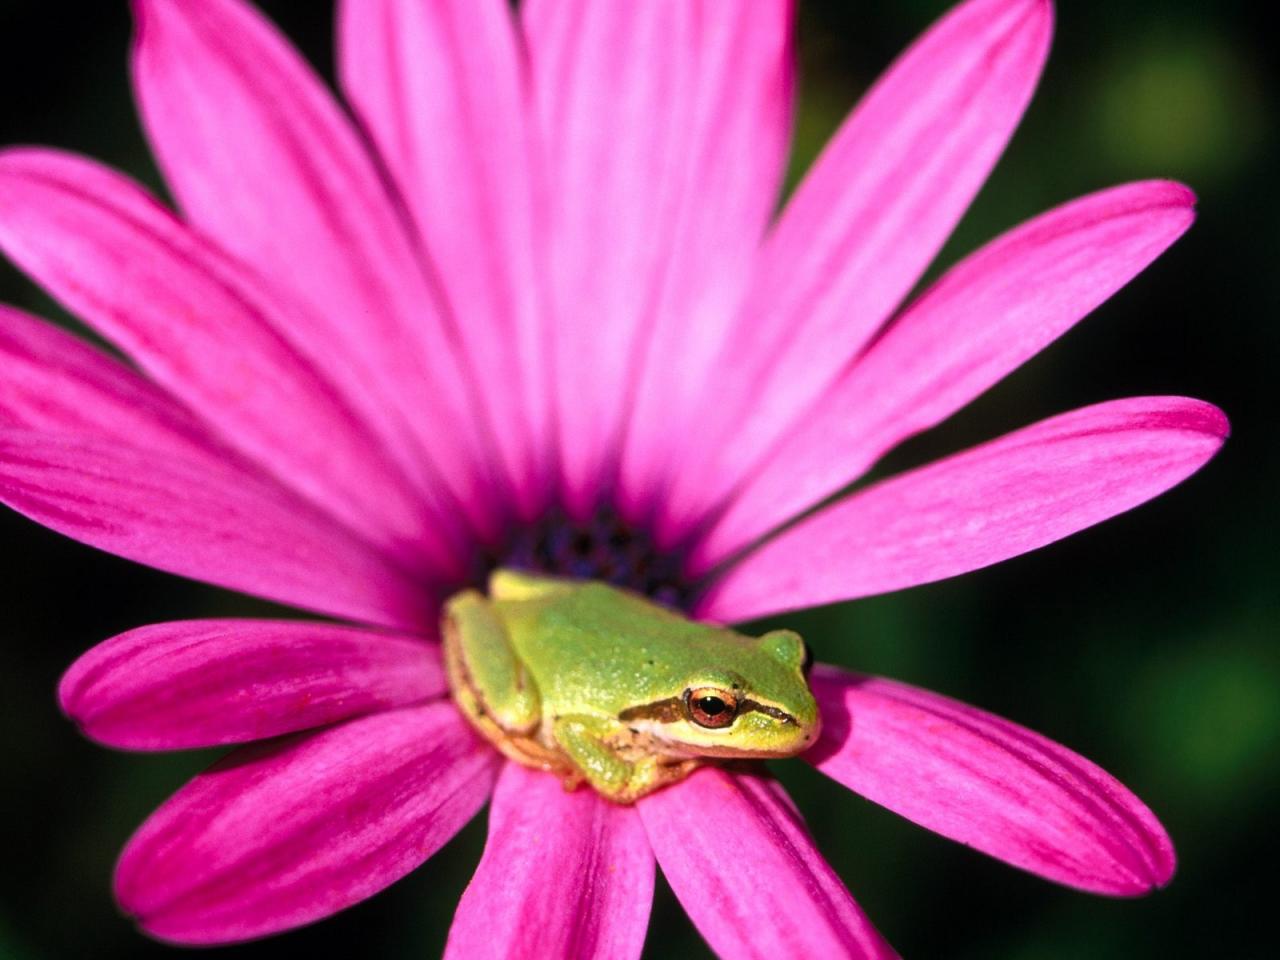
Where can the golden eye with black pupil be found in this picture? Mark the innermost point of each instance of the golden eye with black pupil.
(710, 706)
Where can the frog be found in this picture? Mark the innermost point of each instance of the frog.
(604, 686)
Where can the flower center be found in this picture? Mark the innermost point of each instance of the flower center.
(604, 548)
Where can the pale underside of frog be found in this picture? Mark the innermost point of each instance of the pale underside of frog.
(599, 684)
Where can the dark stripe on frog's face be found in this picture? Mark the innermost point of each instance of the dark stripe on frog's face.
(672, 709)
(663, 711)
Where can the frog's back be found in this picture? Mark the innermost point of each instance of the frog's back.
(596, 645)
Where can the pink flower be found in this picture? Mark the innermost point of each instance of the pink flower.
(533, 308)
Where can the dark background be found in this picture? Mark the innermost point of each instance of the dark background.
(1149, 643)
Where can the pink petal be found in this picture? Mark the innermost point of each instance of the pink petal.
(202, 327)
(441, 88)
(202, 520)
(739, 859)
(648, 111)
(202, 683)
(863, 226)
(982, 320)
(263, 160)
(992, 502)
(287, 832)
(989, 784)
(563, 875)
(740, 102)
(53, 382)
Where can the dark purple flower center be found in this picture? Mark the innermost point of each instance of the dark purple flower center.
(604, 548)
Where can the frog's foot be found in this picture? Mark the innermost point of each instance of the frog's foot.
(506, 584)
(585, 742)
(571, 780)
(655, 773)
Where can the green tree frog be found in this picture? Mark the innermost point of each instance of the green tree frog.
(598, 684)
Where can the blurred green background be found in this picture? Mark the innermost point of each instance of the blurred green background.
(1149, 643)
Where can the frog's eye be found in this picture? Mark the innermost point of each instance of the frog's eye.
(710, 706)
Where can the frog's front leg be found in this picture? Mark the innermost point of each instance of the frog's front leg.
(489, 682)
(587, 742)
(584, 741)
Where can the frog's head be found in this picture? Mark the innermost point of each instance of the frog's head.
(761, 706)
